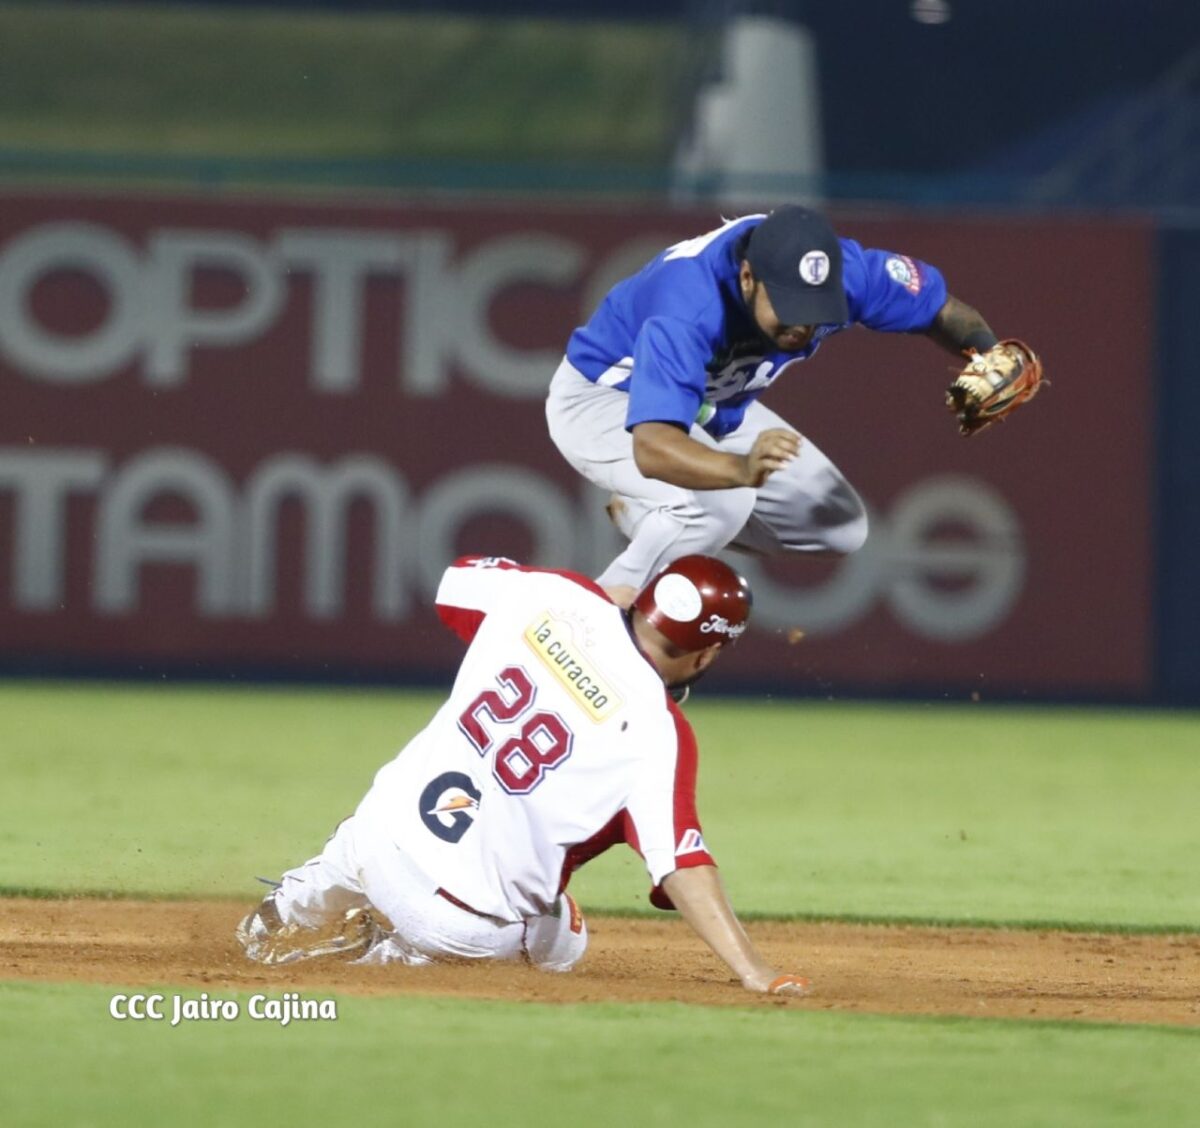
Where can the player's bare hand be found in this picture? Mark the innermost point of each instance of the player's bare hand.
(769, 982)
(772, 450)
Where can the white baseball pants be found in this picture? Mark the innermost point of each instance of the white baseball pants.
(806, 507)
(361, 868)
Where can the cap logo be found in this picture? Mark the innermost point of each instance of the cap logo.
(814, 267)
(677, 598)
(718, 624)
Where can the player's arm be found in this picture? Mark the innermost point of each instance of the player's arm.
(894, 293)
(665, 451)
(959, 328)
(665, 394)
(662, 825)
(700, 898)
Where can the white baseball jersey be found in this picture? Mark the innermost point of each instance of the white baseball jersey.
(558, 741)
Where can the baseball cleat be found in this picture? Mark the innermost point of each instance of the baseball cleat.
(267, 940)
(257, 931)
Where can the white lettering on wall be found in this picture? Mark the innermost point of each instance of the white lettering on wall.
(78, 358)
(127, 539)
(152, 321)
(326, 494)
(528, 498)
(175, 325)
(947, 588)
(950, 589)
(340, 263)
(41, 481)
(515, 258)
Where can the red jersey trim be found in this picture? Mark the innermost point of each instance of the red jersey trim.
(463, 621)
(687, 764)
(687, 821)
(618, 829)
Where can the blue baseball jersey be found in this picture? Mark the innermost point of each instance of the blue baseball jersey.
(677, 336)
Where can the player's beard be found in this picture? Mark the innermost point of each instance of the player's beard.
(762, 337)
(769, 343)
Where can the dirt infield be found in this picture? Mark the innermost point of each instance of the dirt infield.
(875, 969)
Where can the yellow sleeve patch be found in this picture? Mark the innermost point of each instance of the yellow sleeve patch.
(554, 642)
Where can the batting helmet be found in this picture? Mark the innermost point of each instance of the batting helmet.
(696, 601)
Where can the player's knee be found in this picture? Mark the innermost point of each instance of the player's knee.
(557, 943)
(850, 535)
(841, 519)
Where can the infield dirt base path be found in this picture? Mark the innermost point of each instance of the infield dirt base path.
(864, 968)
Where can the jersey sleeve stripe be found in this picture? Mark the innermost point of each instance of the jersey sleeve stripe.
(687, 821)
(689, 841)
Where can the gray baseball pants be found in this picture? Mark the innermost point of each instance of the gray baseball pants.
(806, 507)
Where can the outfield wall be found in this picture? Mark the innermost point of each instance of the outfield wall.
(244, 437)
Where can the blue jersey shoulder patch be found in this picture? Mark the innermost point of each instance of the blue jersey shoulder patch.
(890, 292)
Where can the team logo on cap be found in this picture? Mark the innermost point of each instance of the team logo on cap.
(814, 267)
(718, 624)
(678, 598)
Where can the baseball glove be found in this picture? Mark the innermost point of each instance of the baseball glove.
(994, 384)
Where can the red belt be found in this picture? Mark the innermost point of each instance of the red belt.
(462, 904)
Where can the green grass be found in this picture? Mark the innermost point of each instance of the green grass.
(182, 791)
(953, 813)
(935, 812)
(956, 812)
(415, 1062)
(141, 79)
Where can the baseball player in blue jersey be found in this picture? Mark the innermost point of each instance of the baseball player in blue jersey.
(657, 399)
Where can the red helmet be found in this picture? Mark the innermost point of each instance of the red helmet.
(696, 601)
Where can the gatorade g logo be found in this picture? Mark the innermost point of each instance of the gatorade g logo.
(448, 804)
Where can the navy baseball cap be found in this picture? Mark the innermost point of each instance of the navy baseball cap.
(796, 255)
